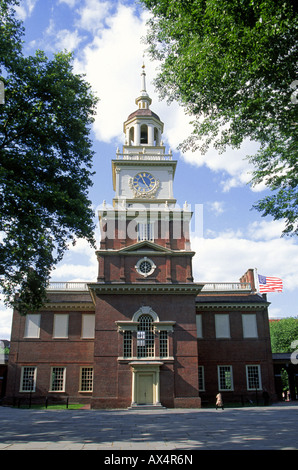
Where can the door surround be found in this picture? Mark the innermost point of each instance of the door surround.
(145, 373)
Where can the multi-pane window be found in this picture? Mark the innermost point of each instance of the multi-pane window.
(145, 337)
(127, 343)
(86, 384)
(145, 231)
(28, 379)
(163, 344)
(57, 379)
(253, 377)
(201, 378)
(225, 378)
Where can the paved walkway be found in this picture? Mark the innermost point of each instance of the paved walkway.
(254, 428)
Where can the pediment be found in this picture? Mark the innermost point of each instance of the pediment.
(145, 247)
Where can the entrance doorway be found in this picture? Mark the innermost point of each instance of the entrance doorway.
(145, 389)
(145, 383)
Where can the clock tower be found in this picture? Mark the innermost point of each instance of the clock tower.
(145, 329)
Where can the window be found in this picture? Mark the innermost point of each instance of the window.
(222, 326)
(88, 325)
(163, 344)
(57, 379)
(86, 381)
(145, 231)
(225, 378)
(60, 326)
(145, 266)
(28, 379)
(249, 324)
(199, 326)
(201, 378)
(32, 327)
(127, 343)
(145, 337)
(144, 134)
(253, 377)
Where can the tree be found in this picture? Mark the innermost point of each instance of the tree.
(46, 160)
(283, 332)
(232, 64)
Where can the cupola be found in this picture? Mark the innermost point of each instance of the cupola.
(143, 128)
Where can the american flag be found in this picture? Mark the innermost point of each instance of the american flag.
(269, 284)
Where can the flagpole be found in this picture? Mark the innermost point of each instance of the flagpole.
(256, 277)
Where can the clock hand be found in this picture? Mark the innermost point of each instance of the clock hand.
(144, 181)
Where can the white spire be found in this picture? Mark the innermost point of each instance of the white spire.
(143, 75)
(143, 100)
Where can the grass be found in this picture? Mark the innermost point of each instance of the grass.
(62, 406)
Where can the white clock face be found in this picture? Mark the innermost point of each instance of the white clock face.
(144, 182)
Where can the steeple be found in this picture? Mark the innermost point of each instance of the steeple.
(143, 101)
(143, 128)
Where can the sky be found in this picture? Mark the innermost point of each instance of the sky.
(228, 236)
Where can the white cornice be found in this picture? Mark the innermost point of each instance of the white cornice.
(118, 288)
(84, 306)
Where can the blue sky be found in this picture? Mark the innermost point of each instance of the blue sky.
(105, 37)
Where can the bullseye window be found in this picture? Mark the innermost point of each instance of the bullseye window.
(145, 266)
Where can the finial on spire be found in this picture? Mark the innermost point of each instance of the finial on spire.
(143, 75)
(143, 100)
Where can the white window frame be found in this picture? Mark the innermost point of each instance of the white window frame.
(32, 326)
(230, 368)
(199, 325)
(60, 333)
(139, 263)
(249, 325)
(163, 344)
(258, 367)
(33, 388)
(88, 325)
(127, 344)
(51, 379)
(222, 325)
(91, 380)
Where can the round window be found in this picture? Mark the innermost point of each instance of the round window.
(145, 266)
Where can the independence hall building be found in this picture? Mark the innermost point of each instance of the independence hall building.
(145, 334)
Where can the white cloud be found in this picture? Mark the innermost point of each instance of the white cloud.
(266, 230)
(79, 264)
(24, 10)
(227, 256)
(70, 3)
(217, 207)
(93, 15)
(68, 40)
(113, 66)
(5, 320)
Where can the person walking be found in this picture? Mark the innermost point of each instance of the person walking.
(219, 402)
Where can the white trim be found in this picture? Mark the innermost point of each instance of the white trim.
(142, 260)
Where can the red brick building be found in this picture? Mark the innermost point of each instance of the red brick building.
(145, 333)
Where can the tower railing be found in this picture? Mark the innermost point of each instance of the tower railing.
(208, 286)
(144, 156)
